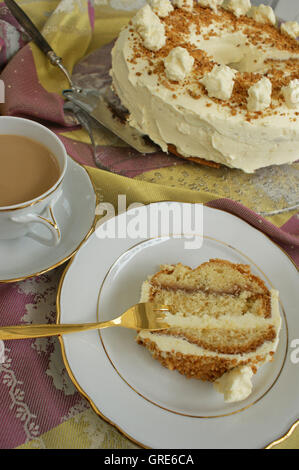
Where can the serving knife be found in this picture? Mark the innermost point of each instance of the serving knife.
(91, 107)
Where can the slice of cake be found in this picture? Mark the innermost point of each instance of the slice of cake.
(224, 323)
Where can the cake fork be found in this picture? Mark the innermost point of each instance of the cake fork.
(142, 316)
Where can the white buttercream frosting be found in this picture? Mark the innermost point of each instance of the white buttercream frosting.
(238, 7)
(236, 385)
(150, 28)
(263, 14)
(162, 8)
(219, 83)
(214, 4)
(184, 115)
(184, 4)
(291, 94)
(291, 28)
(259, 95)
(178, 64)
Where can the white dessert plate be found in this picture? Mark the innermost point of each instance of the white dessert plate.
(153, 406)
(75, 214)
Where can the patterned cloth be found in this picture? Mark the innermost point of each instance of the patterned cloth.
(32, 372)
(12, 38)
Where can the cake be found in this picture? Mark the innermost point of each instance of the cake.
(211, 81)
(224, 323)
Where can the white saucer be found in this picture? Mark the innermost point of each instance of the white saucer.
(75, 214)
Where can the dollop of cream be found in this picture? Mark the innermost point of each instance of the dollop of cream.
(184, 4)
(236, 384)
(150, 28)
(219, 83)
(262, 14)
(291, 94)
(238, 7)
(214, 4)
(178, 64)
(259, 95)
(214, 131)
(290, 28)
(162, 8)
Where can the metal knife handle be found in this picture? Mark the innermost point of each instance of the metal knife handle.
(39, 40)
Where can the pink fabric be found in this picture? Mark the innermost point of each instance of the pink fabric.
(121, 160)
(91, 13)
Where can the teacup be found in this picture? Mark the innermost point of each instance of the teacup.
(19, 220)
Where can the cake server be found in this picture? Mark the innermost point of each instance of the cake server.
(91, 107)
(143, 316)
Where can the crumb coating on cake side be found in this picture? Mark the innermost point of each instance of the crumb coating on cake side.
(222, 317)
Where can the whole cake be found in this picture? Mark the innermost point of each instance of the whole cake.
(224, 323)
(214, 80)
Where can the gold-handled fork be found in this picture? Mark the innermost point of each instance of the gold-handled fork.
(143, 316)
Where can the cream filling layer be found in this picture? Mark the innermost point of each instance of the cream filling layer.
(195, 129)
(174, 344)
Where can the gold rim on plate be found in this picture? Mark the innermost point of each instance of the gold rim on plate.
(163, 407)
(90, 401)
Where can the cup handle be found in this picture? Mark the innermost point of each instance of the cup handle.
(50, 223)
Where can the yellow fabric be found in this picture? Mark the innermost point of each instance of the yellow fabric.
(84, 431)
(69, 32)
(110, 185)
(73, 25)
(87, 431)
